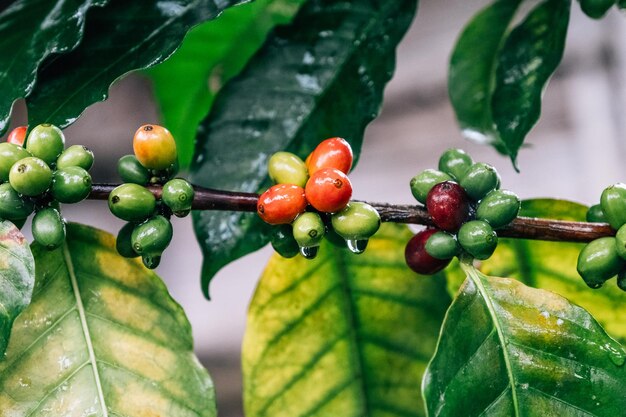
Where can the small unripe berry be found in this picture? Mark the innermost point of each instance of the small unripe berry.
(287, 168)
(48, 228)
(10, 153)
(76, 156)
(131, 170)
(154, 147)
(30, 176)
(598, 261)
(596, 215)
(308, 229)
(613, 203)
(328, 190)
(331, 153)
(620, 242)
(596, 9)
(178, 196)
(418, 259)
(46, 142)
(18, 136)
(152, 236)
(283, 242)
(422, 183)
(478, 239)
(498, 208)
(71, 184)
(455, 162)
(357, 221)
(479, 179)
(442, 245)
(124, 243)
(281, 203)
(12, 205)
(132, 202)
(448, 206)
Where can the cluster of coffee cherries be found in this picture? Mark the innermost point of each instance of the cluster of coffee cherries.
(36, 173)
(149, 230)
(603, 258)
(310, 201)
(466, 205)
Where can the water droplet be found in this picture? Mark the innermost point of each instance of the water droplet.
(559, 322)
(545, 314)
(616, 354)
(309, 252)
(357, 245)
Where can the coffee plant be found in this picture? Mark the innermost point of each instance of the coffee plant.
(495, 307)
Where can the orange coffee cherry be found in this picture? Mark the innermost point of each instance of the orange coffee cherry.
(331, 153)
(17, 135)
(328, 190)
(281, 203)
(154, 147)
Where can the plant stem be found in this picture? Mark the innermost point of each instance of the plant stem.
(522, 227)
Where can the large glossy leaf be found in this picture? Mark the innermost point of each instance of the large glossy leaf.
(121, 37)
(343, 335)
(530, 55)
(212, 53)
(510, 350)
(321, 76)
(17, 278)
(30, 31)
(102, 337)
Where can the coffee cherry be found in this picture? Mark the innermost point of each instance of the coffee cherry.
(357, 221)
(331, 153)
(154, 147)
(596, 9)
(287, 168)
(48, 228)
(124, 243)
(281, 203)
(498, 208)
(620, 242)
(130, 170)
(308, 230)
(442, 245)
(132, 202)
(12, 206)
(70, 185)
(283, 242)
(30, 176)
(596, 215)
(178, 196)
(152, 236)
(478, 239)
(328, 190)
(10, 153)
(598, 261)
(418, 259)
(18, 135)
(448, 205)
(479, 179)
(424, 181)
(455, 162)
(76, 156)
(46, 142)
(613, 203)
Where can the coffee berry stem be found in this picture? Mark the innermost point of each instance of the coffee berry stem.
(521, 227)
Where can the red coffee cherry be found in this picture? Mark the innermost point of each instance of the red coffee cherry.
(331, 153)
(281, 203)
(328, 190)
(18, 135)
(449, 206)
(418, 259)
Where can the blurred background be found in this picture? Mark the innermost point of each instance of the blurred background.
(573, 153)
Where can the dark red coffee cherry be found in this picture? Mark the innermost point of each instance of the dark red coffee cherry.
(448, 205)
(418, 259)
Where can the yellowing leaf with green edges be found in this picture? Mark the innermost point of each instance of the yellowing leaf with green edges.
(17, 278)
(342, 335)
(102, 337)
(508, 350)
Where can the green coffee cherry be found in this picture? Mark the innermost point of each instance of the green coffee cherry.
(76, 156)
(334, 238)
(30, 176)
(357, 221)
(478, 239)
(287, 168)
(9, 155)
(613, 203)
(620, 242)
(498, 208)
(596, 215)
(479, 179)
(424, 181)
(151, 261)
(598, 261)
(71, 184)
(48, 228)
(152, 236)
(455, 162)
(178, 196)
(12, 206)
(46, 142)
(308, 229)
(130, 170)
(283, 242)
(132, 202)
(595, 9)
(442, 245)
(123, 243)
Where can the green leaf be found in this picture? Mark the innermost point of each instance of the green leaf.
(471, 77)
(321, 76)
(200, 70)
(31, 31)
(510, 350)
(121, 37)
(102, 337)
(530, 55)
(342, 335)
(17, 278)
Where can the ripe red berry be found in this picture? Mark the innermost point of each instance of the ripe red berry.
(281, 203)
(17, 135)
(418, 259)
(328, 190)
(449, 206)
(331, 153)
